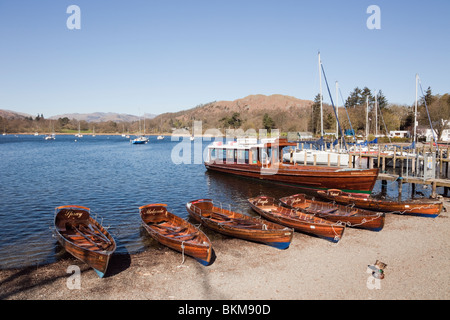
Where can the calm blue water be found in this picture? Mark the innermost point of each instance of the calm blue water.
(110, 176)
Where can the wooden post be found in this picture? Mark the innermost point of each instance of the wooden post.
(305, 160)
(315, 156)
(433, 189)
(395, 156)
(329, 155)
(360, 158)
(339, 160)
(384, 164)
(379, 154)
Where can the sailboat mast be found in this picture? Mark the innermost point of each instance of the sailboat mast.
(415, 111)
(321, 97)
(337, 110)
(367, 118)
(376, 115)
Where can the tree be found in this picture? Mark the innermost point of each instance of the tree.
(439, 112)
(63, 121)
(314, 124)
(354, 98)
(382, 101)
(268, 123)
(234, 122)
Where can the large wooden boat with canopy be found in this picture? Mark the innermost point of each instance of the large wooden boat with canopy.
(263, 160)
(417, 207)
(232, 223)
(175, 232)
(83, 237)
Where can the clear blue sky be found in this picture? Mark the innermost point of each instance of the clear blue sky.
(169, 55)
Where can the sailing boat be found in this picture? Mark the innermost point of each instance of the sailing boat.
(140, 139)
(79, 135)
(320, 157)
(51, 136)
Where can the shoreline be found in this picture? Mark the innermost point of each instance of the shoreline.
(415, 249)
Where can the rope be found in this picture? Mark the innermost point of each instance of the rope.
(182, 253)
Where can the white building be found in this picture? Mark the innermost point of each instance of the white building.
(399, 134)
(445, 135)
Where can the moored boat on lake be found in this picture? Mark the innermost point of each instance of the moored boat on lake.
(235, 224)
(175, 232)
(271, 209)
(139, 140)
(351, 216)
(83, 237)
(264, 160)
(419, 207)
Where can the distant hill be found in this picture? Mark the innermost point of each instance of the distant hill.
(8, 114)
(289, 113)
(103, 117)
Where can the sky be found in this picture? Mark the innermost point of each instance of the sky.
(156, 56)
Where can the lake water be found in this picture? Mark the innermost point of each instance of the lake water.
(112, 177)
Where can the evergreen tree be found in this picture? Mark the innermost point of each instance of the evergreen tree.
(268, 123)
(314, 124)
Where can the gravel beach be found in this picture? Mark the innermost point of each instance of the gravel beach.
(416, 251)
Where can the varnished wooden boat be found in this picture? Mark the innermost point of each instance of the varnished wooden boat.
(83, 237)
(239, 225)
(175, 232)
(419, 207)
(270, 209)
(351, 216)
(264, 160)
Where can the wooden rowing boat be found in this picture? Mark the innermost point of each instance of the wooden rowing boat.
(351, 216)
(234, 224)
(83, 237)
(175, 232)
(270, 209)
(419, 207)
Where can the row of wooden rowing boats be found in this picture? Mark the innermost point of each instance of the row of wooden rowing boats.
(84, 238)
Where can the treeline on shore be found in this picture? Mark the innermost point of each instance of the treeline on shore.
(434, 108)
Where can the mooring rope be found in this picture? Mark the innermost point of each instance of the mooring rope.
(182, 253)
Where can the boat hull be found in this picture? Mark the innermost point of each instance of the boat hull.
(300, 222)
(352, 217)
(306, 177)
(422, 208)
(97, 257)
(198, 247)
(257, 230)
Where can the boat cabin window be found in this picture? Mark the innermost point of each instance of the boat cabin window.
(265, 155)
(217, 155)
(242, 156)
(230, 155)
(254, 155)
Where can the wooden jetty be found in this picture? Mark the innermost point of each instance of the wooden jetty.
(408, 162)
